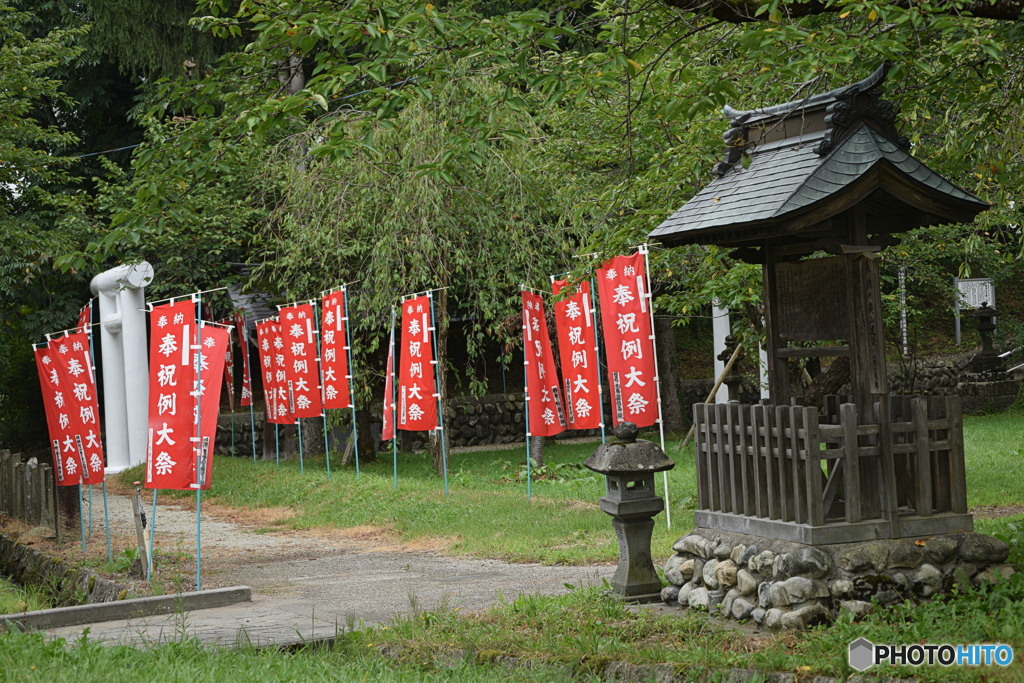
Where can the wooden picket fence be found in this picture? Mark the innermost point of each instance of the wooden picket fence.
(784, 472)
(27, 490)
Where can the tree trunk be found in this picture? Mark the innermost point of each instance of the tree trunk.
(828, 382)
(671, 411)
(537, 451)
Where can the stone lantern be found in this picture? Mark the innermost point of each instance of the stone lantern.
(629, 465)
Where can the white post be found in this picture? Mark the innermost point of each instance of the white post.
(763, 374)
(720, 329)
(125, 366)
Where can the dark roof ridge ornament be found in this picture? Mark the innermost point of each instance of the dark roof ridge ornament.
(844, 107)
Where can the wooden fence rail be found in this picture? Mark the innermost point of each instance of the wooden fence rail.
(27, 490)
(780, 471)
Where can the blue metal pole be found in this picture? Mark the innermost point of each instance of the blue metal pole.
(277, 444)
(199, 441)
(152, 535)
(298, 428)
(437, 386)
(351, 385)
(394, 426)
(320, 365)
(597, 355)
(252, 424)
(81, 519)
(526, 407)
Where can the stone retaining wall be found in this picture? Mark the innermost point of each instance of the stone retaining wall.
(781, 585)
(65, 585)
(982, 392)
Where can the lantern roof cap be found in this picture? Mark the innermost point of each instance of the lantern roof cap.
(628, 454)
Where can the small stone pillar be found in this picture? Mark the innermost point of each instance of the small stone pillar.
(988, 359)
(630, 464)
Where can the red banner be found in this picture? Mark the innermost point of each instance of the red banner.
(417, 400)
(543, 398)
(282, 406)
(57, 421)
(298, 325)
(229, 369)
(577, 351)
(84, 318)
(264, 342)
(243, 343)
(214, 342)
(74, 364)
(172, 382)
(387, 431)
(334, 351)
(628, 340)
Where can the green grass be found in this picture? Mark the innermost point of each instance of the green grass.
(487, 513)
(14, 598)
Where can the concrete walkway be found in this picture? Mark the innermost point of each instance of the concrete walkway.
(309, 586)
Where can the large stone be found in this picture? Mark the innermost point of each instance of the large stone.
(695, 545)
(940, 550)
(670, 595)
(999, 572)
(746, 582)
(858, 608)
(762, 562)
(710, 580)
(737, 553)
(773, 618)
(722, 551)
(684, 594)
(961, 575)
(810, 562)
(983, 549)
(864, 557)
(686, 569)
(841, 588)
(725, 573)
(746, 555)
(758, 615)
(926, 581)
(698, 571)
(741, 609)
(797, 589)
(727, 601)
(764, 595)
(906, 555)
(698, 599)
(672, 573)
(715, 599)
(808, 615)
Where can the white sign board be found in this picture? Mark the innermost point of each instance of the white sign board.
(976, 292)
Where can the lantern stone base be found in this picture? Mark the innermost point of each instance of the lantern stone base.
(781, 584)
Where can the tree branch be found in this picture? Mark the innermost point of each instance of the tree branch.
(742, 11)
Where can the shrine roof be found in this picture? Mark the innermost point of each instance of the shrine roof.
(794, 166)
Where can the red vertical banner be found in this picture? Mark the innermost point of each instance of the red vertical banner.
(628, 340)
(577, 351)
(334, 351)
(74, 364)
(543, 397)
(245, 399)
(417, 393)
(84, 318)
(172, 382)
(282, 406)
(67, 468)
(298, 327)
(265, 344)
(229, 369)
(213, 341)
(387, 431)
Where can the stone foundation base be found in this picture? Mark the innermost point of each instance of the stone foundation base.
(781, 584)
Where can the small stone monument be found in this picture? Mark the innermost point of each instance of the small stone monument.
(630, 464)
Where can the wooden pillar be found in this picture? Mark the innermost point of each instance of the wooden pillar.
(778, 377)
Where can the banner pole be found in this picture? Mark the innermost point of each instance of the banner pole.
(90, 512)
(277, 444)
(152, 535)
(298, 428)
(391, 370)
(81, 518)
(320, 368)
(597, 356)
(526, 409)
(437, 386)
(252, 423)
(232, 433)
(106, 520)
(351, 379)
(654, 345)
(200, 465)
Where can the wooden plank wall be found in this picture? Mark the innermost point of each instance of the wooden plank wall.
(27, 490)
(780, 463)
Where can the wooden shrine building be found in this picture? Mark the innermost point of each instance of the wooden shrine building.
(813, 190)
